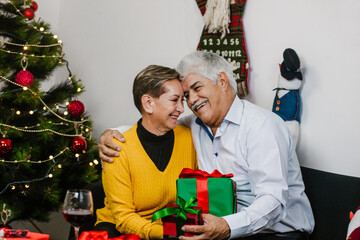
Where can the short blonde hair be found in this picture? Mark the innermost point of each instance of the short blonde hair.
(150, 81)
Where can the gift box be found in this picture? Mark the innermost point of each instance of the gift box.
(10, 234)
(215, 192)
(103, 235)
(175, 216)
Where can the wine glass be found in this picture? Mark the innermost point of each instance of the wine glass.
(78, 208)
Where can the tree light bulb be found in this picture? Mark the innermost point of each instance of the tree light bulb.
(44, 108)
(59, 166)
(77, 155)
(18, 112)
(27, 185)
(12, 187)
(79, 90)
(26, 47)
(50, 175)
(96, 161)
(51, 157)
(31, 112)
(55, 36)
(25, 88)
(91, 164)
(87, 130)
(42, 29)
(66, 113)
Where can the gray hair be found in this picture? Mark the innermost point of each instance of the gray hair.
(208, 65)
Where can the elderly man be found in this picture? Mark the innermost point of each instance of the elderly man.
(235, 136)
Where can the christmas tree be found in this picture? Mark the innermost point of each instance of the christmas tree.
(45, 136)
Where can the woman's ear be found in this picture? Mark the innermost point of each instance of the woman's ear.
(147, 103)
(222, 80)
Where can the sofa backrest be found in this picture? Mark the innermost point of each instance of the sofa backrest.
(332, 197)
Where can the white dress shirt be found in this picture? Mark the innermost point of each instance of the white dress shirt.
(255, 145)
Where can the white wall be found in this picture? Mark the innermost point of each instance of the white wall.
(325, 35)
(108, 42)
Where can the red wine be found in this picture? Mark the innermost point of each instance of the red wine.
(77, 218)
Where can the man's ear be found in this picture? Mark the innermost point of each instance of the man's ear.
(222, 80)
(147, 103)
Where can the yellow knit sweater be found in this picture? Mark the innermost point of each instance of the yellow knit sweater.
(135, 188)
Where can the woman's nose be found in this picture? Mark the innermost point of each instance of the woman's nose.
(180, 106)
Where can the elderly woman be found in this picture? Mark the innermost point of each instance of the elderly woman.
(142, 180)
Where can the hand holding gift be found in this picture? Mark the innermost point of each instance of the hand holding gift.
(213, 228)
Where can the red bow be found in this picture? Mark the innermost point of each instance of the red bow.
(102, 235)
(94, 235)
(15, 233)
(190, 173)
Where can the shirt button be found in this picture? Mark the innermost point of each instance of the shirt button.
(277, 108)
(278, 102)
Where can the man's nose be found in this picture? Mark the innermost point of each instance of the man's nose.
(192, 98)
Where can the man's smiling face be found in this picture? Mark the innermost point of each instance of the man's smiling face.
(203, 97)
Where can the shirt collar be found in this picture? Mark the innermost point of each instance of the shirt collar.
(235, 112)
(234, 115)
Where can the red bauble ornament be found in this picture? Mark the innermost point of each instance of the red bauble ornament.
(34, 6)
(29, 13)
(5, 145)
(24, 78)
(78, 145)
(76, 108)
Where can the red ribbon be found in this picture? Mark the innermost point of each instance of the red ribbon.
(202, 194)
(103, 235)
(93, 235)
(202, 184)
(190, 173)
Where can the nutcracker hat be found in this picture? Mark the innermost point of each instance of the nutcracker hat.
(290, 67)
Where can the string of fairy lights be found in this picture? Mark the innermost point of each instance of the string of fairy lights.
(27, 47)
(79, 127)
(45, 107)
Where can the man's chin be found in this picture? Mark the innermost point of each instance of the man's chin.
(202, 117)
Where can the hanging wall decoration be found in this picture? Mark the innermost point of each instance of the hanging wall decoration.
(223, 34)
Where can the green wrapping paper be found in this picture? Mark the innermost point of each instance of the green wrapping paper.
(216, 193)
